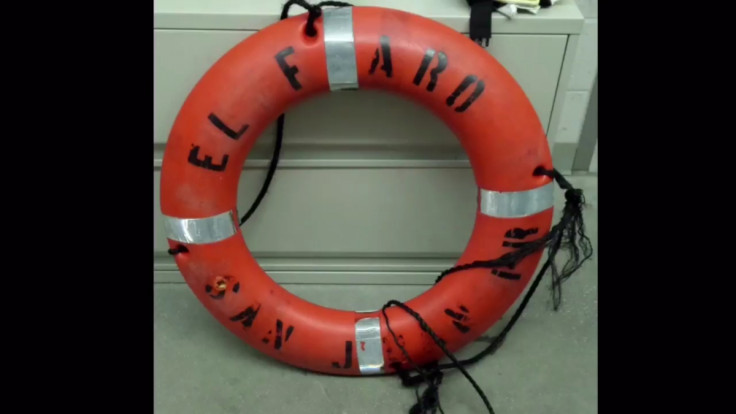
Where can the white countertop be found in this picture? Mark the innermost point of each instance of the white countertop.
(562, 18)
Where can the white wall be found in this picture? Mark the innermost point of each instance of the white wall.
(578, 94)
(594, 161)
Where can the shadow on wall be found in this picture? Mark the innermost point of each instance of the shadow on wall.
(586, 157)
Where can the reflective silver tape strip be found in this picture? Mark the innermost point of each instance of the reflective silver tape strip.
(370, 348)
(201, 231)
(342, 70)
(517, 203)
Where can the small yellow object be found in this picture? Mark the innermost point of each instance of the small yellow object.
(221, 284)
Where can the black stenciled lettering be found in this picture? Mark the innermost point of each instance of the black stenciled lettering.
(217, 122)
(457, 317)
(460, 327)
(289, 71)
(247, 317)
(206, 163)
(348, 356)
(506, 275)
(441, 66)
(279, 331)
(384, 50)
(515, 245)
(221, 293)
(520, 234)
(480, 86)
(515, 233)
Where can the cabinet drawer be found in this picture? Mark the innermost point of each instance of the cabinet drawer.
(353, 212)
(352, 120)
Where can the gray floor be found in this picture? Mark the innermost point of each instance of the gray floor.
(548, 364)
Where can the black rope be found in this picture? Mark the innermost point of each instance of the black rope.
(430, 398)
(271, 170)
(314, 12)
(178, 249)
(569, 234)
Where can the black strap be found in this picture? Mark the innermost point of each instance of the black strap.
(480, 21)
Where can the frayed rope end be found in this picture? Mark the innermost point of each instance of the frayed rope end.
(571, 237)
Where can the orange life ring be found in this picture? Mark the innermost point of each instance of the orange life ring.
(365, 48)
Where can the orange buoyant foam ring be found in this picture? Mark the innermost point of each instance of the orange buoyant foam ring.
(355, 48)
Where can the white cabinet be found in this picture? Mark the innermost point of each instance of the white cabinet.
(351, 193)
